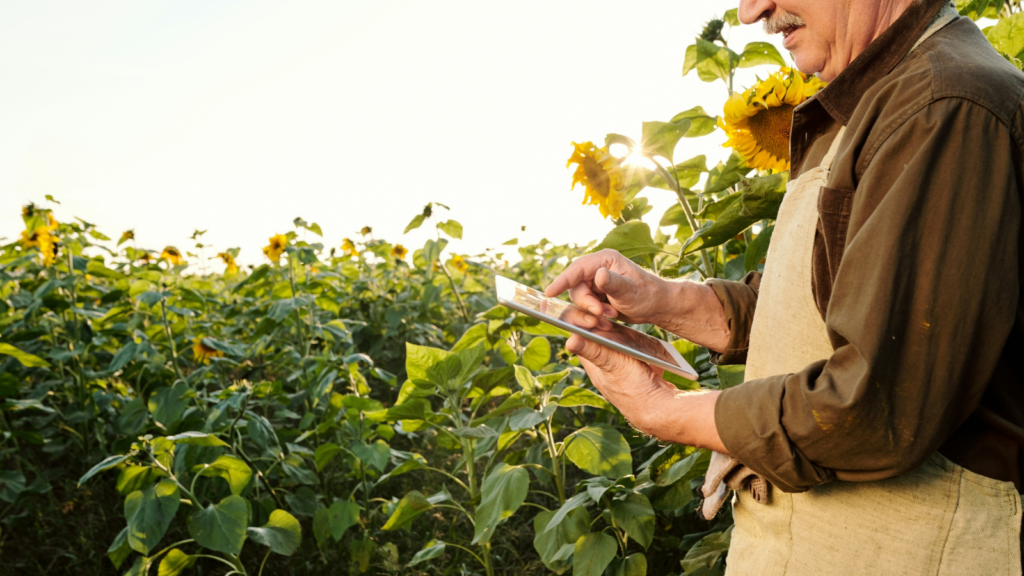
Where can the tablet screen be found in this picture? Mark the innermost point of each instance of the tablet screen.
(569, 316)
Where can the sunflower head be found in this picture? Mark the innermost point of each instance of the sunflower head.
(43, 239)
(459, 263)
(758, 121)
(712, 30)
(348, 247)
(366, 230)
(600, 174)
(202, 353)
(126, 236)
(399, 251)
(276, 247)
(28, 211)
(229, 260)
(172, 255)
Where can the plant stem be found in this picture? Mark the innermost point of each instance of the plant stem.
(170, 338)
(262, 564)
(487, 559)
(687, 211)
(458, 296)
(559, 481)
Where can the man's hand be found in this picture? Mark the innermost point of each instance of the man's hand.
(651, 404)
(608, 284)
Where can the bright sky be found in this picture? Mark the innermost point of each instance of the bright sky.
(236, 117)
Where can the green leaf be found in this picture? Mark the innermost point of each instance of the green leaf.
(759, 199)
(321, 528)
(705, 553)
(175, 562)
(632, 239)
(712, 62)
(567, 508)
(660, 138)
(140, 567)
(564, 533)
(105, 464)
(632, 565)
(282, 533)
(679, 463)
(221, 526)
(729, 376)
(12, 483)
(281, 309)
(577, 396)
(635, 515)
(412, 505)
(132, 418)
(758, 53)
(197, 439)
(537, 353)
(475, 335)
(600, 449)
(503, 492)
(324, 454)
(232, 469)
(375, 454)
(415, 223)
(700, 123)
(134, 478)
(341, 516)
(27, 360)
(430, 550)
(169, 403)
(593, 553)
(757, 249)
(451, 228)
(295, 467)
(975, 9)
(258, 274)
(419, 359)
(417, 462)
(722, 176)
(149, 512)
(123, 356)
(526, 379)
(548, 381)
(731, 17)
(119, 549)
(525, 418)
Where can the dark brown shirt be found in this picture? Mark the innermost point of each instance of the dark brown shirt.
(917, 272)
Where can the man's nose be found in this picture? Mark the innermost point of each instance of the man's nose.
(753, 10)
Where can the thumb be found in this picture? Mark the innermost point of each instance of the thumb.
(613, 284)
(605, 359)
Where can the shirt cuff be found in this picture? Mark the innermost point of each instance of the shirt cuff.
(749, 422)
(739, 300)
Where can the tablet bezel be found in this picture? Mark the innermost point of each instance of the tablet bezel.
(506, 287)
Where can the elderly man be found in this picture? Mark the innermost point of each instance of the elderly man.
(884, 399)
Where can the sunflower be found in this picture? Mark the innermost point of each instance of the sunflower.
(758, 121)
(145, 257)
(126, 236)
(599, 172)
(229, 260)
(366, 230)
(459, 263)
(28, 211)
(43, 238)
(202, 353)
(399, 251)
(172, 255)
(276, 247)
(350, 248)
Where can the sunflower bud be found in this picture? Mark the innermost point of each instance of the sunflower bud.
(713, 30)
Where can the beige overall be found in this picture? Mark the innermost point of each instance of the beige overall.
(939, 520)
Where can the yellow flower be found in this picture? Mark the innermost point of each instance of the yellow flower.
(276, 247)
(459, 263)
(350, 248)
(203, 353)
(758, 121)
(43, 238)
(145, 257)
(228, 259)
(126, 236)
(599, 172)
(172, 255)
(399, 251)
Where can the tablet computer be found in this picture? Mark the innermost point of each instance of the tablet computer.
(576, 320)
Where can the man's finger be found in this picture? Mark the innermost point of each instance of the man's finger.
(584, 297)
(613, 284)
(605, 359)
(580, 271)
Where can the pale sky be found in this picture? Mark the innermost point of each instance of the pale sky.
(236, 117)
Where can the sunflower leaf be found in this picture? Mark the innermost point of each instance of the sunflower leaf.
(660, 138)
(758, 53)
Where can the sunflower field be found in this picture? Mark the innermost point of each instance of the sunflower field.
(367, 408)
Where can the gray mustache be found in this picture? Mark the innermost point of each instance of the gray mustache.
(782, 21)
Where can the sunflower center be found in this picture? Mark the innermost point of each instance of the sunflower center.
(597, 177)
(770, 127)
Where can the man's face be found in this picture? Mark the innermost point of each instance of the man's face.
(813, 30)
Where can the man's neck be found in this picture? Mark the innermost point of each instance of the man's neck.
(864, 21)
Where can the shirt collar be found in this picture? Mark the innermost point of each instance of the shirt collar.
(842, 95)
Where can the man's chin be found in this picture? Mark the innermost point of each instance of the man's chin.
(809, 65)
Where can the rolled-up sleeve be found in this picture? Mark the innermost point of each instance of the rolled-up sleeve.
(739, 300)
(922, 304)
